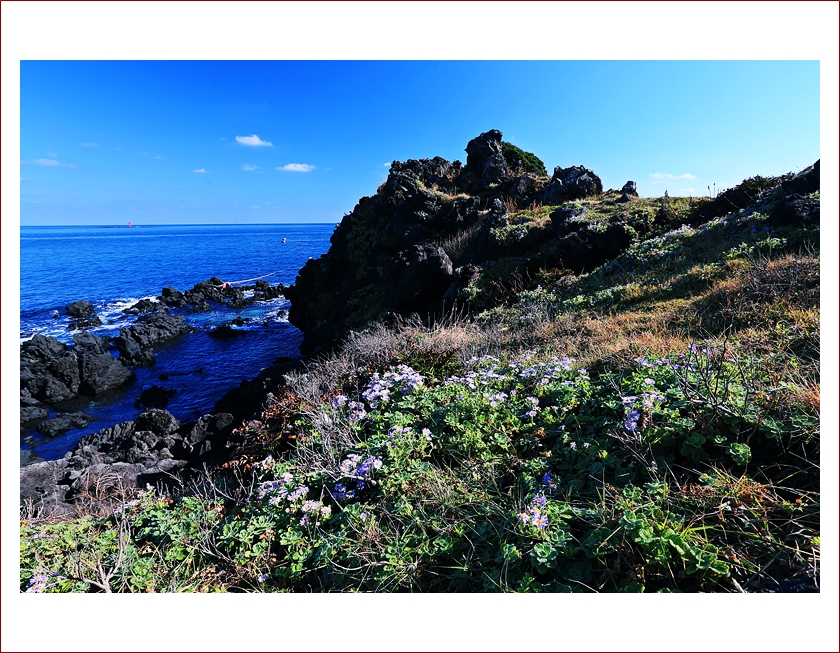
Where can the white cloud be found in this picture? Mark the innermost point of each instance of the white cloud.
(52, 163)
(89, 145)
(668, 175)
(158, 156)
(297, 167)
(249, 167)
(252, 140)
(201, 170)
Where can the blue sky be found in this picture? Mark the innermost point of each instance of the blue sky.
(105, 142)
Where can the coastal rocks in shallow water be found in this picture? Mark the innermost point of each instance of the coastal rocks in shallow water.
(154, 397)
(51, 372)
(151, 330)
(572, 183)
(416, 276)
(173, 297)
(102, 372)
(130, 351)
(31, 414)
(146, 306)
(63, 422)
(82, 315)
(79, 309)
(485, 159)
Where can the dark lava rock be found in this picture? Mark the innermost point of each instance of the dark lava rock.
(804, 184)
(572, 183)
(154, 397)
(31, 414)
(173, 297)
(225, 332)
(79, 309)
(200, 307)
(130, 351)
(416, 276)
(628, 192)
(560, 218)
(51, 372)
(63, 422)
(485, 159)
(524, 188)
(630, 189)
(93, 321)
(210, 432)
(795, 210)
(157, 421)
(146, 306)
(584, 250)
(148, 331)
(98, 369)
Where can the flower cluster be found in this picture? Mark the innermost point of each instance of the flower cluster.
(379, 387)
(533, 402)
(281, 489)
(356, 468)
(533, 513)
(312, 508)
(549, 482)
(553, 368)
(495, 398)
(38, 582)
(338, 401)
(357, 411)
(647, 401)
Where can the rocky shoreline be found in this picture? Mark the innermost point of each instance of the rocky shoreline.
(53, 373)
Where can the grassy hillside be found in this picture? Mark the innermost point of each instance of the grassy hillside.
(650, 424)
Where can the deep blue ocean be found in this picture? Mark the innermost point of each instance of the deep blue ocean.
(113, 267)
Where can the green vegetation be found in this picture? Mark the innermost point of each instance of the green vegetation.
(650, 425)
(513, 155)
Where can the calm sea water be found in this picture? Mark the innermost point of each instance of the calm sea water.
(113, 267)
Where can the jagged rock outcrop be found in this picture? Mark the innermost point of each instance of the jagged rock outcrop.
(572, 183)
(485, 160)
(628, 192)
(398, 251)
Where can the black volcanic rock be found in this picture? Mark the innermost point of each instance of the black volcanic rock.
(485, 159)
(416, 276)
(79, 309)
(572, 183)
(63, 422)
